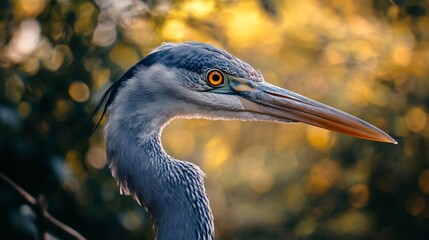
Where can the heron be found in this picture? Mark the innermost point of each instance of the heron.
(194, 80)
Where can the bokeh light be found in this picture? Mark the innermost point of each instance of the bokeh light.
(79, 91)
(359, 195)
(24, 41)
(96, 158)
(416, 119)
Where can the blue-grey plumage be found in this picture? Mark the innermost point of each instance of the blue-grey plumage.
(194, 80)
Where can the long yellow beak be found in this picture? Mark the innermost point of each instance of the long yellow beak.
(266, 99)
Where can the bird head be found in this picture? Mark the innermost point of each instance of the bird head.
(197, 80)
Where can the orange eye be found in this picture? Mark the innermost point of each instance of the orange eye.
(215, 78)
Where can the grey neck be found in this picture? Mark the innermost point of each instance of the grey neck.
(171, 190)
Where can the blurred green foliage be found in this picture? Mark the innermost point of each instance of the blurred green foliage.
(265, 181)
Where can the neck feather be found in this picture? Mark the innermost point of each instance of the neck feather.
(171, 190)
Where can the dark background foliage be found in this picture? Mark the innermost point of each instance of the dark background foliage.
(265, 181)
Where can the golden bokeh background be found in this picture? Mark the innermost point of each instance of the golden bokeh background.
(264, 180)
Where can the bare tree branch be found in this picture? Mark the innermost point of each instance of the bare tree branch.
(48, 222)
